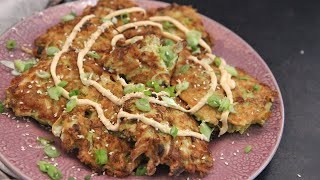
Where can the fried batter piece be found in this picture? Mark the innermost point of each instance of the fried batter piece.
(185, 15)
(251, 106)
(180, 153)
(83, 132)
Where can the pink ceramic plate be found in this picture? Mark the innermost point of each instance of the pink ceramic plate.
(18, 146)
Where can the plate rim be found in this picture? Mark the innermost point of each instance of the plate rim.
(20, 174)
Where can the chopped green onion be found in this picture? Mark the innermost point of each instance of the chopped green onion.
(231, 70)
(182, 86)
(214, 100)
(72, 103)
(205, 129)
(168, 42)
(1, 107)
(43, 74)
(247, 94)
(143, 105)
(125, 18)
(156, 87)
(52, 171)
(43, 166)
(87, 177)
(147, 93)
(193, 38)
(130, 88)
(55, 92)
(141, 171)
(74, 93)
(150, 83)
(224, 104)
(105, 20)
(23, 66)
(71, 178)
(243, 78)
(11, 44)
(248, 149)
(174, 131)
(168, 56)
(256, 87)
(139, 87)
(52, 50)
(170, 90)
(94, 55)
(195, 50)
(268, 106)
(169, 101)
(62, 83)
(101, 157)
(68, 17)
(51, 151)
(44, 141)
(184, 68)
(217, 61)
(231, 108)
(167, 25)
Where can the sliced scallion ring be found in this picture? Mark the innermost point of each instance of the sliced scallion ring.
(94, 55)
(101, 157)
(52, 50)
(11, 44)
(130, 88)
(74, 93)
(62, 83)
(55, 92)
(231, 70)
(224, 104)
(217, 61)
(43, 74)
(214, 100)
(182, 86)
(169, 101)
(141, 170)
(72, 103)
(51, 151)
(174, 131)
(143, 105)
(193, 38)
(205, 130)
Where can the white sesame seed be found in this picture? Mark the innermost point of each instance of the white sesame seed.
(78, 169)
(221, 154)
(203, 157)
(234, 154)
(226, 163)
(238, 151)
(248, 134)
(221, 158)
(232, 142)
(299, 175)
(301, 52)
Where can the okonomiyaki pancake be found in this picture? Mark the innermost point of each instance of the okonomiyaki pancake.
(130, 89)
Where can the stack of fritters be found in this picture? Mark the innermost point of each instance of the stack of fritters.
(135, 142)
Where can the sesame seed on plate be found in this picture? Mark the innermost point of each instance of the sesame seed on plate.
(226, 163)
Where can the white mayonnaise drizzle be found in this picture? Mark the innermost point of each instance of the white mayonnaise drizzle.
(165, 128)
(226, 80)
(106, 122)
(117, 37)
(65, 48)
(122, 28)
(181, 27)
(227, 84)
